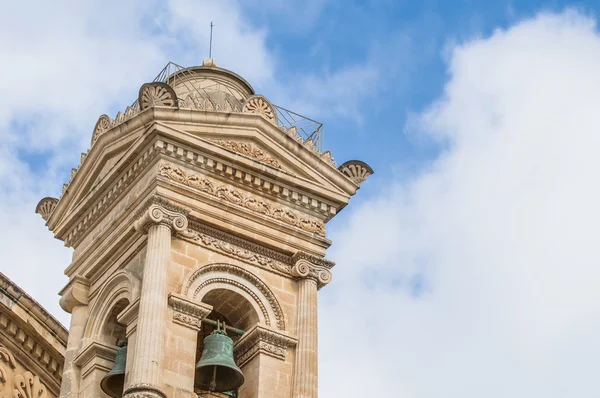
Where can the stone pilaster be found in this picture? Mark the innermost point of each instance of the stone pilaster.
(311, 276)
(74, 299)
(159, 220)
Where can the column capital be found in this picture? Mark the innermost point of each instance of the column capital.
(75, 293)
(307, 266)
(159, 211)
(188, 313)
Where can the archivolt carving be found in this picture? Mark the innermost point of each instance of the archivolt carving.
(201, 279)
(123, 284)
(45, 207)
(261, 106)
(231, 195)
(156, 94)
(248, 149)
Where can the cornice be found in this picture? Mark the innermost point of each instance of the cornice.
(188, 313)
(262, 340)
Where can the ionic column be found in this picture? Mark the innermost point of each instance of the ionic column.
(306, 371)
(159, 221)
(74, 300)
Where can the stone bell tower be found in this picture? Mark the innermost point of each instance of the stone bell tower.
(202, 203)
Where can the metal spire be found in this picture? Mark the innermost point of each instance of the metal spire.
(210, 46)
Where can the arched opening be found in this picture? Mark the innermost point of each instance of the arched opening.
(234, 310)
(113, 332)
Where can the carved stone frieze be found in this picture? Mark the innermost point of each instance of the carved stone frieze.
(233, 196)
(260, 339)
(248, 149)
(247, 255)
(159, 211)
(356, 171)
(188, 313)
(17, 382)
(156, 94)
(46, 207)
(250, 278)
(259, 105)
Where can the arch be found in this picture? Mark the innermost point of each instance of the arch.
(221, 276)
(121, 287)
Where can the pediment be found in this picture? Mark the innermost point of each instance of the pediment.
(280, 156)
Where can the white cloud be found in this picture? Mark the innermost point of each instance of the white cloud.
(502, 227)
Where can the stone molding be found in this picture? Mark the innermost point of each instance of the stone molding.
(233, 246)
(249, 277)
(75, 293)
(129, 316)
(305, 269)
(250, 150)
(262, 340)
(188, 313)
(159, 211)
(95, 350)
(247, 201)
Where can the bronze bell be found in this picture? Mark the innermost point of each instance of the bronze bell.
(216, 370)
(112, 384)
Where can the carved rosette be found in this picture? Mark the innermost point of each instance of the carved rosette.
(161, 212)
(46, 207)
(312, 267)
(262, 340)
(259, 105)
(103, 124)
(156, 94)
(356, 171)
(188, 313)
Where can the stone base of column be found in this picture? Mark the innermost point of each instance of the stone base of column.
(144, 391)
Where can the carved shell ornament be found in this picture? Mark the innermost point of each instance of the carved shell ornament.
(156, 94)
(103, 124)
(46, 207)
(356, 170)
(259, 105)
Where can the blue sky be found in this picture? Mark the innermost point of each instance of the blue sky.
(466, 266)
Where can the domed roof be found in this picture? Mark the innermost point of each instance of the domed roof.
(209, 87)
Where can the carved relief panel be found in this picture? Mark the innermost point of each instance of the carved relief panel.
(16, 381)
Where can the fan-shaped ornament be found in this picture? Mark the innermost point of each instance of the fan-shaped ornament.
(156, 94)
(259, 105)
(356, 170)
(103, 124)
(46, 207)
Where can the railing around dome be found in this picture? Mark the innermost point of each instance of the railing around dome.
(309, 129)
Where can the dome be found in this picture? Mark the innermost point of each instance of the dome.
(209, 87)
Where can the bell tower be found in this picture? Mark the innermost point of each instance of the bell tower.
(197, 220)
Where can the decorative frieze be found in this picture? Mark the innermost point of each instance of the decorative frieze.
(262, 340)
(188, 313)
(221, 245)
(249, 149)
(233, 196)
